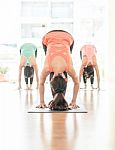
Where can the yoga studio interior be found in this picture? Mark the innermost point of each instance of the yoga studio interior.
(22, 125)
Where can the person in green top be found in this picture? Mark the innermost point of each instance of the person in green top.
(28, 52)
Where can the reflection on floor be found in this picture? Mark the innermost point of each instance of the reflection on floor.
(23, 131)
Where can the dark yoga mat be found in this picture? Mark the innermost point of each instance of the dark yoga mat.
(47, 110)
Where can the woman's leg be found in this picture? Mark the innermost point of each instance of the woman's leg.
(97, 71)
(35, 66)
(85, 79)
(81, 73)
(27, 75)
(31, 76)
(31, 81)
(26, 80)
(92, 79)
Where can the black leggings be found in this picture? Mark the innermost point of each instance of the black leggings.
(31, 80)
(28, 73)
(91, 76)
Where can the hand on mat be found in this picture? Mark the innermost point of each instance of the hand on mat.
(98, 88)
(42, 105)
(19, 88)
(73, 105)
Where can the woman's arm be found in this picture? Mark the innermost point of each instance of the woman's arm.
(98, 76)
(74, 77)
(97, 71)
(84, 63)
(43, 76)
(22, 62)
(19, 77)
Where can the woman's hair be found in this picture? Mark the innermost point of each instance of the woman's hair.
(58, 87)
(58, 84)
(58, 103)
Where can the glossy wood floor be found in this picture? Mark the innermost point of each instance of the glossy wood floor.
(20, 130)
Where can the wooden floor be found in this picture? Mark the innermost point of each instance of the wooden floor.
(20, 130)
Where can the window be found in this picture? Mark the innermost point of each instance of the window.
(32, 30)
(67, 26)
(61, 9)
(34, 9)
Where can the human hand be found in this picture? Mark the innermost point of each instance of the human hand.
(73, 105)
(41, 105)
(19, 87)
(98, 88)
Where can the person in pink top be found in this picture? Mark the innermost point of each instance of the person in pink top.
(89, 64)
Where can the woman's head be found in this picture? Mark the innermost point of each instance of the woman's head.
(58, 87)
(58, 83)
(58, 103)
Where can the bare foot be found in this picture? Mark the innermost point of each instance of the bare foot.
(85, 86)
(92, 86)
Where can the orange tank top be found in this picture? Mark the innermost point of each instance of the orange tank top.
(58, 44)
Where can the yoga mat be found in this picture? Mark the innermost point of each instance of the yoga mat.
(47, 110)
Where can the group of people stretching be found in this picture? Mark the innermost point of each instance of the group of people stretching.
(58, 64)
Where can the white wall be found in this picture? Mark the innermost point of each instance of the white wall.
(111, 48)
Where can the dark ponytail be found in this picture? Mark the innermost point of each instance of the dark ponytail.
(58, 84)
(58, 88)
(58, 103)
